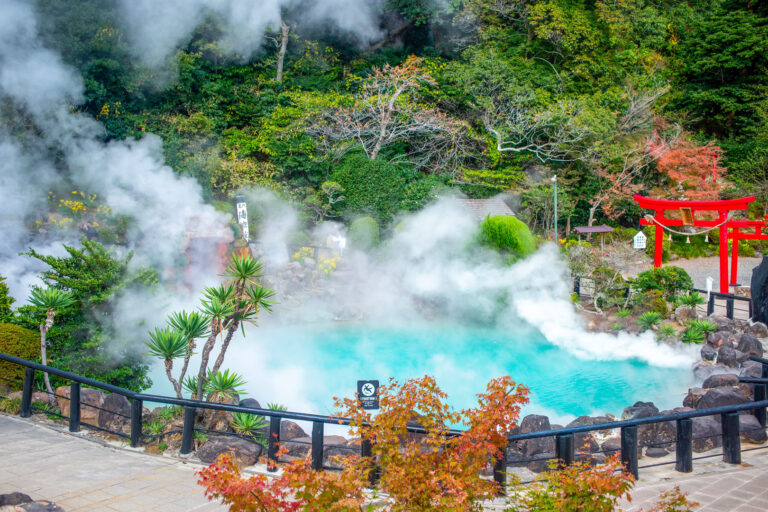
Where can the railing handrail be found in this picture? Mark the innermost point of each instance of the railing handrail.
(724, 295)
(724, 409)
(198, 404)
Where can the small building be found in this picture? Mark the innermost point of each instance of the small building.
(482, 208)
(589, 230)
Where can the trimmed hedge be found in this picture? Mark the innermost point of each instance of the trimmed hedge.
(364, 233)
(507, 234)
(20, 342)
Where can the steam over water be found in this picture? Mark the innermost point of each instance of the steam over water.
(410, 298)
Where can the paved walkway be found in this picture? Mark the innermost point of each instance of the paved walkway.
(86, 475)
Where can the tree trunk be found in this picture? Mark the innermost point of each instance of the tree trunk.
(284, 30)
(168, 370)
(44, 349)
(591, 219)
(225, 345)
(207, 348)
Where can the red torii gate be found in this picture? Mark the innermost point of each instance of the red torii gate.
(735, 234)
(723, 223)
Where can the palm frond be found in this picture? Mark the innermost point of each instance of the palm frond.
(167, 343)
(191, 325)
(50, 299)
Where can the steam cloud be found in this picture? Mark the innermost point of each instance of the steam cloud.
(156, 28)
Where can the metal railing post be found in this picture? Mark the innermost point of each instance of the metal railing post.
(629, 449)
(188, 431)
(366, 450)
(731, 441)
(26, 393)
(577, 287)
(500, 472)
(729, 307)
(759, 397)
(564, 449)
(274, 443)
(74, 406)
(711, 304)
(684, 446)
(318, 431)
(137, 406)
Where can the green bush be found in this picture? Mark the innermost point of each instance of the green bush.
(649, 320)
(20, 342)
(652, 300)
(364, 233)
(507, 234)
(5, 302)
(693, 334)
(373, 187)
(669, 280)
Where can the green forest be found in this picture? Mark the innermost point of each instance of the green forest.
(664, 98)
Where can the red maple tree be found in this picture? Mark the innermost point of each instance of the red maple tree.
(694, 167)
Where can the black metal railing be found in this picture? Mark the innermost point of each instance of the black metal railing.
(565, 439)
(733, 303)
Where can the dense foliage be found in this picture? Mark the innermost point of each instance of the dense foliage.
(20, 342)
(668, 279)
(94, 278)
(665, 98)
(507, 234)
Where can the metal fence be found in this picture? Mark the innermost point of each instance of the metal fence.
(564, 439)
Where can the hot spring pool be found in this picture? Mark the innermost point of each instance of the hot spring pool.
(304, 367)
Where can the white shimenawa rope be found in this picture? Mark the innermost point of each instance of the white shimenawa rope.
(682, 233)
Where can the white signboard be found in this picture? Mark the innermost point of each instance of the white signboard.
(639, 240)
(242, 218)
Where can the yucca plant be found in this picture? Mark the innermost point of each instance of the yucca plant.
(666, 331)
(190, 385)
(623, 313)
(52, 301)
(617, 327)
(192, 326)
(691, 300)
(649, 320)
(693, 334)
(276, 407)
(168, 344)
(231, 305)
(706, 326)
(250, 425)
(224, 384)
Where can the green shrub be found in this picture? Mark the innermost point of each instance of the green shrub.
(652, 300)
(706, 326)
(623, 313)
(507, 234)
(10, 405)
(649, 320)
(666, 331)
(5, 302)
(20, 342)
(364, 233)
(372, 187)
(617, 326)
(669, 280)
(693, 334)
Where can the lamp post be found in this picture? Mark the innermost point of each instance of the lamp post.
(554, 180)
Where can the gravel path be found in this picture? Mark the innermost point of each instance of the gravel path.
(700, 268)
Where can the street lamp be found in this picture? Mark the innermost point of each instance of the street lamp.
(554, 180)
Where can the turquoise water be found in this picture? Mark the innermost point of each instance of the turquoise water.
(304, 367)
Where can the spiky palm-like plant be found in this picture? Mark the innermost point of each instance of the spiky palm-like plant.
(691, 300)
(224, 384)
(52, 301)
(168, 344)
(649, 320)
(244, 296)
(192, 325)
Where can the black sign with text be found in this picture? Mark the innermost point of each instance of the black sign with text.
(368, 393)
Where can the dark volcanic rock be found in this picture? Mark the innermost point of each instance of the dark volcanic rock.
(750, 345)
(290, 430)
(751, 430)
(758, 329)
(14, 498)
(708, 353)
(538, 466)
(653, 432)
(693, 397)
(716, 397)
(655, 452)
(722, 379)
(730, 357)
(531, 447)
(707, 433)
(298, 447)
(703, 370)
(250, 402)
(115, 414)
(245, 453)
(585, 441)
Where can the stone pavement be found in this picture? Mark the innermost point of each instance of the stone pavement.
(84, 475)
